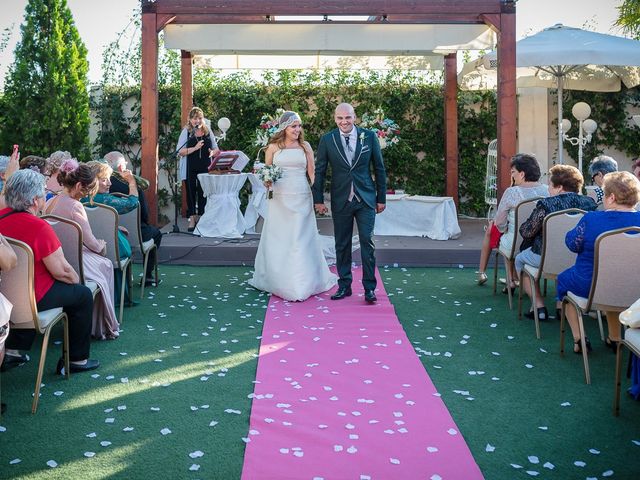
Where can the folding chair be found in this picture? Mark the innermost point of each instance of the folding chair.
(614, 286)
(104, 224)
(522, 212)
(555, 256)
(132, 222)
(70, 235)
(18, 286)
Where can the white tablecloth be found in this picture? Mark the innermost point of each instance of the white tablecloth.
(222, 216)
(419, 216)
(257, 204)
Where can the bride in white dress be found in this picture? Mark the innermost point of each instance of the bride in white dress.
(290, 262)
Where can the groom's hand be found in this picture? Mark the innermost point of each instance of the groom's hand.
(321, 208)
(380, 207)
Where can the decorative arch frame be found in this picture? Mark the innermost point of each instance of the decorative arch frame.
(498, 15)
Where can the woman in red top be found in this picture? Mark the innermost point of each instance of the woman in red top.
(55, 281)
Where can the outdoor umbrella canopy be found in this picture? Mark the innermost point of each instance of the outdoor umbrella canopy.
(563, 57)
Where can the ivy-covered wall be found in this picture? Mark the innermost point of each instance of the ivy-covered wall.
(415, 102)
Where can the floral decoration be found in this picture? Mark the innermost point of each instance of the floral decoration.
(387, 131)
(268, 126)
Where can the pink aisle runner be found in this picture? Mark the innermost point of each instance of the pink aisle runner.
(341, 394)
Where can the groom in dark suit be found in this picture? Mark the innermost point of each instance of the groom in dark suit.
(354, 154)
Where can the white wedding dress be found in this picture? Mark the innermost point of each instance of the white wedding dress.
(290, 262)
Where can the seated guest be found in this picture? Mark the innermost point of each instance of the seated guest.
(565, 183)
(122, 205)
(621, 194)
(78, 180)
(525, 173)
(4, 162)
(121, 185)
(55, 281)
(35, 163)
(600, 166)
(52, 168)
(8, 260)
(635, 167)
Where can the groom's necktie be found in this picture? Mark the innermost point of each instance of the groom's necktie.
(349, 153)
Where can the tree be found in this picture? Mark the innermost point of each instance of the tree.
(629, 17)
(45, 98)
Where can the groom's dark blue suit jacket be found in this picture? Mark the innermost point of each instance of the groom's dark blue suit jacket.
(367, 161)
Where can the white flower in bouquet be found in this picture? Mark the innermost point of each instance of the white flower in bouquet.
(270, 174)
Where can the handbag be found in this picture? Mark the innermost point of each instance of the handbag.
(631, 316)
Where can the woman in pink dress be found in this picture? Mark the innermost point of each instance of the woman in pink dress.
(79, 180)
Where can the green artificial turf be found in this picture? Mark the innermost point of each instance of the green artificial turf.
(204, 325)
(523, 409)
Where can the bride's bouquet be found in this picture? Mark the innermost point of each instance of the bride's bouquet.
(269, 174)
(386, 130)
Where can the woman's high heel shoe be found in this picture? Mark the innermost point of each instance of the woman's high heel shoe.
(192, 224)
(482, 278)
(577, 346)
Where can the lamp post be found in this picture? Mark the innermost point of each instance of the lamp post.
(586, 127)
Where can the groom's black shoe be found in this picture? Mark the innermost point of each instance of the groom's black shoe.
(370, 296)
(341, 293)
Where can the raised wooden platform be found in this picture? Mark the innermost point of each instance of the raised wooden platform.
(183, 249)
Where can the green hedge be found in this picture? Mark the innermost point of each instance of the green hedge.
(415, 102)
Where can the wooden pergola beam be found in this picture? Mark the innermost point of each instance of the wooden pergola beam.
(326, 7)
(451, 125)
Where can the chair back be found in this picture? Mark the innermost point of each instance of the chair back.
(70, 235)
(17, 286)
(616, 270)
(523, 212)
(556, 257)
(103, 220)
(131, 221)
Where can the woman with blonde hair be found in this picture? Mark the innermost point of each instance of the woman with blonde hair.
(195, 146)
(621, 194)
(289, 262)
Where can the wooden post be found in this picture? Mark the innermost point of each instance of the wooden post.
(451, 126)
(186, 75)
(507, 95)
(150, 111)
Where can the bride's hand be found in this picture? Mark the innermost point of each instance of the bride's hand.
(267, 185)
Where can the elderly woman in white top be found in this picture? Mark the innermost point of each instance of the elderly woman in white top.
(525, 173)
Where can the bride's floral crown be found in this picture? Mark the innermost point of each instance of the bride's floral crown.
(293, 117)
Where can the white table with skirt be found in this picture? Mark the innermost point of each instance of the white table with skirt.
(419, 216)
(222, 216)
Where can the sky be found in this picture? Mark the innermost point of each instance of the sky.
(99, 21)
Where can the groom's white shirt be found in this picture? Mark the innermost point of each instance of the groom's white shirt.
(353, 138)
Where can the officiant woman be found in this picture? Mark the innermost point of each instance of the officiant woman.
(195, 146)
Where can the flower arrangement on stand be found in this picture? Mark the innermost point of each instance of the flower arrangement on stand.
(268, 126)
(386, 130)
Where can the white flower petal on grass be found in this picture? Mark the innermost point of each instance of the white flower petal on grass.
(489, 448)
(165, 431)
(89, 454)
(637, 442)
(594, 451)
(533, 473)
(579, 463)
(452, 431)
(549, 465)
(105, 443)
(528, 365)
(15, 461)
(58, 393)
(52, 463)
(109, 420)
(91, 435)
(543, 428)
(194, 467)
(516, 466)
(533, 459)
(155, 409)
(196, 454)
(607, 473)
(565, 404)
(127, 429)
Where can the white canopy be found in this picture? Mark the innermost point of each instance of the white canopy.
(327, 38)
(563, 57)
